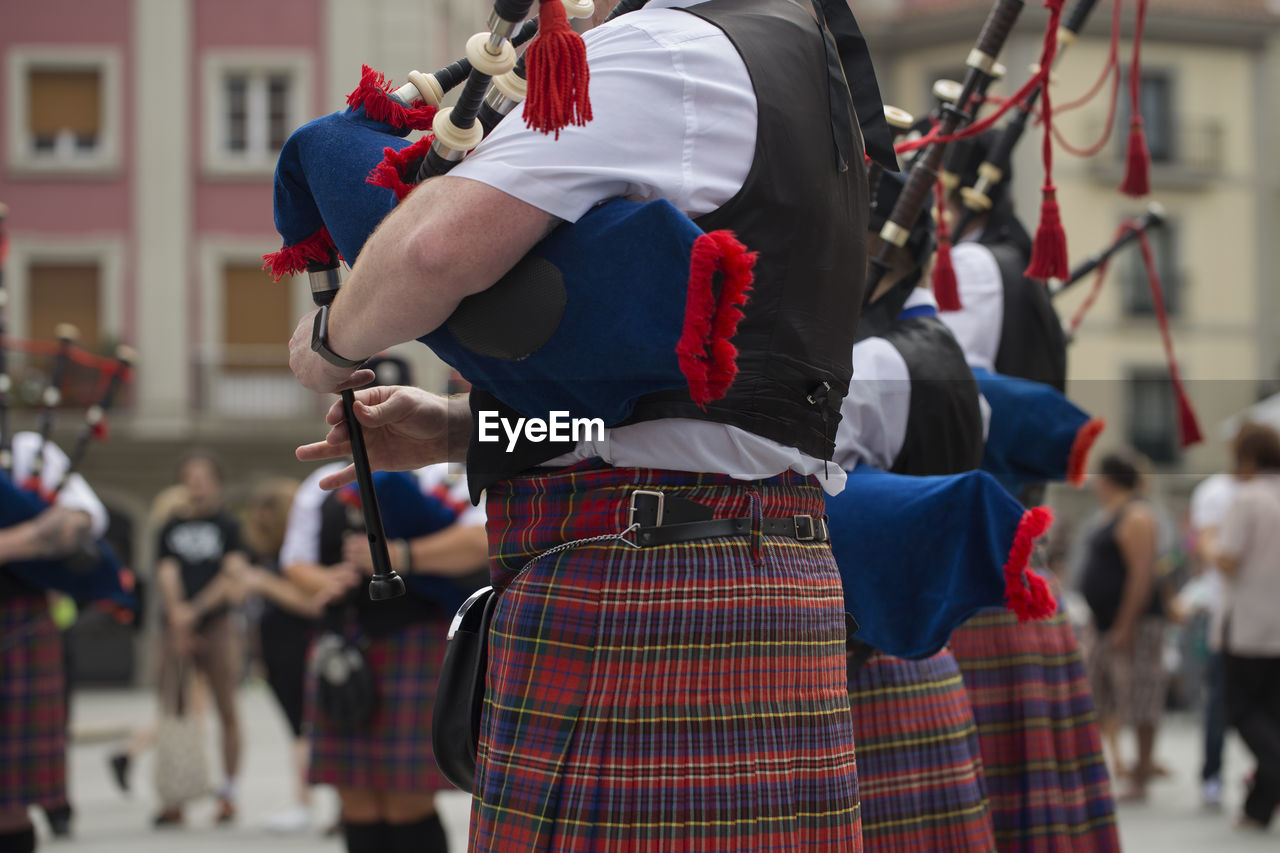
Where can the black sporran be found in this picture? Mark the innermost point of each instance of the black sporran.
(455, 726)
(345, 690)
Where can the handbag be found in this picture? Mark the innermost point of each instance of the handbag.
(181, 766)
(345, 691)
(455, 722)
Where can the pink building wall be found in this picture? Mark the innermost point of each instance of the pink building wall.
(76, 204)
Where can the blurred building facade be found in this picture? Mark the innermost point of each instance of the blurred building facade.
(137, 158)
(1211, 82)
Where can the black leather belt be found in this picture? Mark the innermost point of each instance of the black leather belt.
(666, 520)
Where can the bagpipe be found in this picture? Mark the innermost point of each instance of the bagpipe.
(94, 574)
(918, 556)
(632, 299)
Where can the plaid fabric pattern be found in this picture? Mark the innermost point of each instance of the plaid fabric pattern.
(1047, 782)
(393, 750)
(919, 769)
(689, 697)
(33, 709)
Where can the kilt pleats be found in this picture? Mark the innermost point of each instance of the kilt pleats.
(688, 697)
(919, 768)
(1047, 781)
(33, 709)
(392, 752)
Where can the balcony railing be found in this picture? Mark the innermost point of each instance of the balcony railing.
(1187, 154)
(249, 383)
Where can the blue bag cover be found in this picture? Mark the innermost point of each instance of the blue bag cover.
(1036, 433)
(98, 582)
(408, 513)
(919, 556)
(621, 274)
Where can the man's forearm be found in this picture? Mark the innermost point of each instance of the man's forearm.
(170, 582)
(1137, 592)
(448, 239)
(454, 551)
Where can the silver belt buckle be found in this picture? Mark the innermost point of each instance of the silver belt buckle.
(810, 534)
(631, 515)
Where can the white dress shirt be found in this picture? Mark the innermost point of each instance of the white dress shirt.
(674, 118)
(76, 494)
(302, 533)
(978, 324)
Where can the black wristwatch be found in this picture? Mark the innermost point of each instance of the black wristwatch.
(320, 341)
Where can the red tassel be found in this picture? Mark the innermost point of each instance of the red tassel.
(946, 289)
(707, 357)
(1188, 428)
(100, 431)
(373, 92)
(1078, 458)
(1049, 252)
(1026, 593)
(556, 63)
(1137, 171)
(393, 171)
(317, 248)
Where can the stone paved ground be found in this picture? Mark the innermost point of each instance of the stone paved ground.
(108, 822)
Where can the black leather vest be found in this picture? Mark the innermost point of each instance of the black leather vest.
(944, 420)
(1032, 343)
(808, 222)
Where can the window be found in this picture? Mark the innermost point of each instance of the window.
(1156, 101)
(253, 104)
(257, 319)
(1137, 288)
(1152, 414)
(63, 106)
(65, 293)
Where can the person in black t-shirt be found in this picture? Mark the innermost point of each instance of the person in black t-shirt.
(201, 573)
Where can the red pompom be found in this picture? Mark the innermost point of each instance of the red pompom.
(317, 248)
(707, 356)
(1049, 252)
(1026, 593)
(1137, 172)
(557, 73)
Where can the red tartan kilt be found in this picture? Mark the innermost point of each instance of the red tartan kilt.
(919, 771)
(33, 709)
(686, 697)
(392, 752)
(1047, 780)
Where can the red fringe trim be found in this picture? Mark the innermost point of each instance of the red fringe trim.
(1027, 594)
(707, 358)
(1049, 252)
(1080, 447)
(372, 93)
(392, 171)
(557, 73)
(317, 248)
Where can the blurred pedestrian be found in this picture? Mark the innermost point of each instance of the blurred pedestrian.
(1249, 557)
(285, 630)
(1127, 633)
(200, 573)
(1209, 503)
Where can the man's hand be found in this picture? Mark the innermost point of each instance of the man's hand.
(182, 624)
(340, 579)
(1121, 640)
(404, 429)
(59, 531)
(313, 371)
